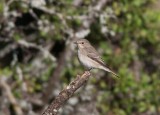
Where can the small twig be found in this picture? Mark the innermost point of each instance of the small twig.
(66, 93)
(44, 51)
(10, 96)
(7, 49)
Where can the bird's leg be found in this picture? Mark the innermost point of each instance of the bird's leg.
(90, 69)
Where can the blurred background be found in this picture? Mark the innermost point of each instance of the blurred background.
(38, 58)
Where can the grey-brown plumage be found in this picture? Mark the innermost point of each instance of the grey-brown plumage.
(89, 57)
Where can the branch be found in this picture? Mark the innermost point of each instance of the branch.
(44, 51)
(7, 49)
(66, 93)
(11, 97)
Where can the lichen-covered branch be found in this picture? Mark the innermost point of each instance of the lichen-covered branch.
(66, 93)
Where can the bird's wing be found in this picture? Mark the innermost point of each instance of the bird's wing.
(97, 59)
(93, 54)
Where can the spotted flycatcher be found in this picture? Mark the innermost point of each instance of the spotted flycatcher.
(89, 57)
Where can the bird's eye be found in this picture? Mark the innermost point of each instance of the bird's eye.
(82, 42)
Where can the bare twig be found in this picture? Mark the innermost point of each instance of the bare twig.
(65, 94)
(10, 96)
(7, 49)
(44, 51)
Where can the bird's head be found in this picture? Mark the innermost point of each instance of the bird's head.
(82, 43)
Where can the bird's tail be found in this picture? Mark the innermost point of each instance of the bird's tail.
(108, 70)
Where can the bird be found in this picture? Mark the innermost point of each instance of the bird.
(89, 57)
